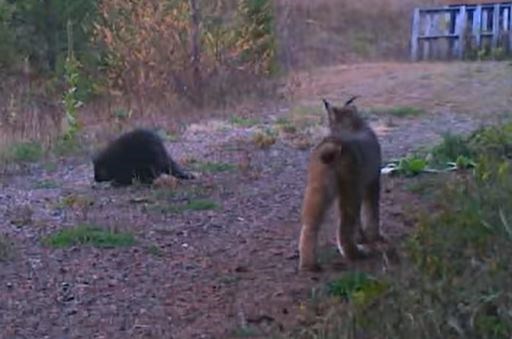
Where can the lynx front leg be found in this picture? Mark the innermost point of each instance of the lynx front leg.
(370, 215)
(350, 211)
(317, 201)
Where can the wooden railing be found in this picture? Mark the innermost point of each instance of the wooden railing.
(457, 31)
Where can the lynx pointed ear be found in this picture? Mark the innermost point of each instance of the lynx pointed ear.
(327, 105)
(351, 100)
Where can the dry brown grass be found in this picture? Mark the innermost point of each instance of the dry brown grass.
(27, 112)
(324, 32)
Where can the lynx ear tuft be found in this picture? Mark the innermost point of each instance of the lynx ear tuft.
(327, 105)
(351, 100)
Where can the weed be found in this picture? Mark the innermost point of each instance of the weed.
(66, 146)
(286, 126)
(449, 150)
(243, 122)
(6, 248)
(75, 201)
(359, 287)
(200, 205)
(89, 235)
(191, 205)
(411, 166)
(399, 112)
(213, 167)
(425, 186)
(155, 251)
(25, 152)
(246, 332)
(122, 113)
(50, 166)
(46, 184)
(454, 280)
(264, 139)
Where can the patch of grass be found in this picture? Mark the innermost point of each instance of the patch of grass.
(359, 287)
(166, 135)
(66, 146)
(24, 152)
(399, 112)
(425, 186)
(6, 248)
(286, 126)
(411, 166)
(122, 113)
(50, 166)
(200, 205)
(164, 194)
(155, 251)
(89, 235)
(454, 275)
(246, 332)
(264, 139)
(243, 122)
(449, 150)
(305, 116)
(75, 201)
(46, 184)
(213, 167)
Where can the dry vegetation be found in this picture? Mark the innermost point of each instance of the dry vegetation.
(217, 257)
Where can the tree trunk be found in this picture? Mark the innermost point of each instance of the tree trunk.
(196, 52)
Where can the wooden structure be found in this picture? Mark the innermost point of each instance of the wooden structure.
(462, 28)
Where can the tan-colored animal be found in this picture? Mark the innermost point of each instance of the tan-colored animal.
(345, 119)
(344, 166)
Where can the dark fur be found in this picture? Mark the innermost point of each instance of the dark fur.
(139, 154)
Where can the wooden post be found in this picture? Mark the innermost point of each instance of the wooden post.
(460, 29)
(429, 22)
(495, 26)
(509, 27)
(485, 20)
(477, 26)
(505, 19)
(415, 34)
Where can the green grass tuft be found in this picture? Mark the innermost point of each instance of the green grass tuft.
(213, 167)
(243, 122)
(88, 235)
(46, 184)
(200, 205)
(6, 248)
(399, 112)
(24, 152)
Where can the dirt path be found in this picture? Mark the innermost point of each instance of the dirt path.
(229, 270)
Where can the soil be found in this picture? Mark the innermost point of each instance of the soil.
(231, 270)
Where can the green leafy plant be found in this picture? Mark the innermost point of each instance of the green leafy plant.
(359, 287)
(70, 100)
(449, 150)
(411, 166)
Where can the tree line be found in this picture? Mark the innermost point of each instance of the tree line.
(140, 47)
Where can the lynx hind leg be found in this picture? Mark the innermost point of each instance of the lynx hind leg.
(371, 213)
(317, 201)
(350, 211)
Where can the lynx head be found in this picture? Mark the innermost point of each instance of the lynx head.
(344, 118)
